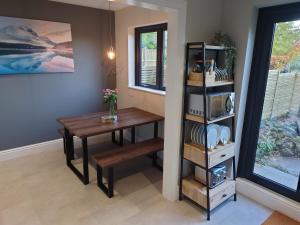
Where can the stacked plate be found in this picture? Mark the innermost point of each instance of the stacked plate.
(215, 135)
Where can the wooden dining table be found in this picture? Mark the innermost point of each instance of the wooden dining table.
(91, 125)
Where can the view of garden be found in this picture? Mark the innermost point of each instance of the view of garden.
(278, 149)
(149, 57)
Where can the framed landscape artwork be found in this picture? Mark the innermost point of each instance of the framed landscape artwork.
(35, 46)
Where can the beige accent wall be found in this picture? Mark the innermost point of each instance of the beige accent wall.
(126, 20)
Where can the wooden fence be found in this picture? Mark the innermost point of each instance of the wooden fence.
(282, 94)
(149, 66)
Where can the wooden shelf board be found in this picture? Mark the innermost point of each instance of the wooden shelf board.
(220, 147)
(207, 47)
(200, 119)
(214, 84)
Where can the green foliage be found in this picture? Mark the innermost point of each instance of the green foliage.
(286, 47)
(223, 40)
(295, 65)
(230, 55)
(286, 35)
(264, 149)
(149, 40)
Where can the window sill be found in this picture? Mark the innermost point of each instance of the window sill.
(149, 90)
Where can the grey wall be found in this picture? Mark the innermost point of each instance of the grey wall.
(30, 104)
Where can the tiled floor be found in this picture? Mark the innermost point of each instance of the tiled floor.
(40, 189)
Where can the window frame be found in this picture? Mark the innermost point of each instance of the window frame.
(267, 18)
(160, 29)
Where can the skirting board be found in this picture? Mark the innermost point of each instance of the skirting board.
(268, 198)
(47, 146)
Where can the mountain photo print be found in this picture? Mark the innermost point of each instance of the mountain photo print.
(35, 46)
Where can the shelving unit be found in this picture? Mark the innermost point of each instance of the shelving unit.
(200, 155)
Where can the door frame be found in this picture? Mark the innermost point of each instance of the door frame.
(267, 18)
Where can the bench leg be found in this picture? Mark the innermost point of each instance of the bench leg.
(110, 182)
(113, 138)
(99, 177)
(110, 190)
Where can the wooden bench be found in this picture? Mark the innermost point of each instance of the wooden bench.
(123, 154)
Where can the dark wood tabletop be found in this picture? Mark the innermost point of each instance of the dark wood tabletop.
(91, 124)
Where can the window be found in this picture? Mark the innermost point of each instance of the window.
(151, 56)
(270, 150)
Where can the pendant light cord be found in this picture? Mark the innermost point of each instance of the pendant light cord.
(110, 30)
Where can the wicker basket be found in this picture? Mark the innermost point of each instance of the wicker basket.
(210, 77)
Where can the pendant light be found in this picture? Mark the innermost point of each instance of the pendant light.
(110, 52)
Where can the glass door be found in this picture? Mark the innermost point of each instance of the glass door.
(278, 149)
(273, 136)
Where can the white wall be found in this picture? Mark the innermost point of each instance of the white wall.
(126, 19)
(239, 22)
(203, 19)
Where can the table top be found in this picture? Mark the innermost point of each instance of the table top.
(91, 124)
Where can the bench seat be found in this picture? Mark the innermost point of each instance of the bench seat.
(124, 154)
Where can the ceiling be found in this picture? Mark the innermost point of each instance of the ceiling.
(99, 4)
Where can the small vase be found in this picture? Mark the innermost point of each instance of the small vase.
(112, 109)
(112, 114)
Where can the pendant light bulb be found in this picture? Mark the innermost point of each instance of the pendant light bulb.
(111, 53)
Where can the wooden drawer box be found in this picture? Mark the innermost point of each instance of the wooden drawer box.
(197, 192)
(196, 154)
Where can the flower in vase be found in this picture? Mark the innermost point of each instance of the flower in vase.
(111, 97)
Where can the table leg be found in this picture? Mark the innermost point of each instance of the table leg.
(154, 156)
(113, 137)
(121, 140)
(133, 135)
(86, 179)
(70, 156)
(156, 130)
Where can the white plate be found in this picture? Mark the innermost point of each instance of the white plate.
(218, 127)
(225, 134)
(199, 134)
(212, 138)
(192, 131)
(194, 140)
